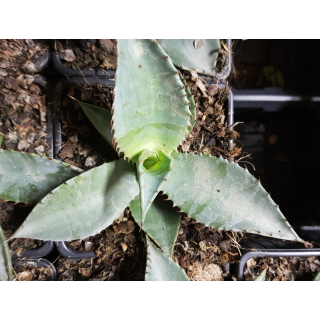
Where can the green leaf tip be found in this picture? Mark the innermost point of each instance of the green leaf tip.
(161, 223)
(5, 259)
(27, 178)
(262, 275)
(198, 54)
(153, 169)
(100, 118)
(84, 205)
(223, 195)
(161, 268)
(151, 108)
(316, 277)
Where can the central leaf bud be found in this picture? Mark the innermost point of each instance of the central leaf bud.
(153, 168)
(151, 161)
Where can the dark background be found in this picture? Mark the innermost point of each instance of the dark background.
(281, 136)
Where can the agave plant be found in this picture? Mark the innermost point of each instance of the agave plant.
(152, 113)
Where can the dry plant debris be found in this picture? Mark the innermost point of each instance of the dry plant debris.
(210, 134)
(283, 269)
(18, 56)
(23, 107)
(24, 273)
(89, 54)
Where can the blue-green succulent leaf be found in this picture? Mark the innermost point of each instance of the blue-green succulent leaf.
(198, 54)
(151, 108)
(161, 268)
(100, 118)
(84, 205)
(223, 195)
(161, 223)
(27, 178)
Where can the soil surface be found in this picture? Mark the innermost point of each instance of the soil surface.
(23, 113)
(18, 56)
(83, 146)
(24, 273)
(120, 254)
(210, 134)
(204, 252)
(283, 269)
(89, 54)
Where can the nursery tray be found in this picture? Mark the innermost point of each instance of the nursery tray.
(66, 252)
(253, 246)
(37, 263)
(40, 252)
(62, 69)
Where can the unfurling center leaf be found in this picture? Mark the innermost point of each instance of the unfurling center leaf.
(153, 169)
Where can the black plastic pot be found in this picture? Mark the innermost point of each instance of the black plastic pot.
(43, 61)
(62, 69)
(259, 247)
(66, 252)
(37, 263)
(40, 252)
